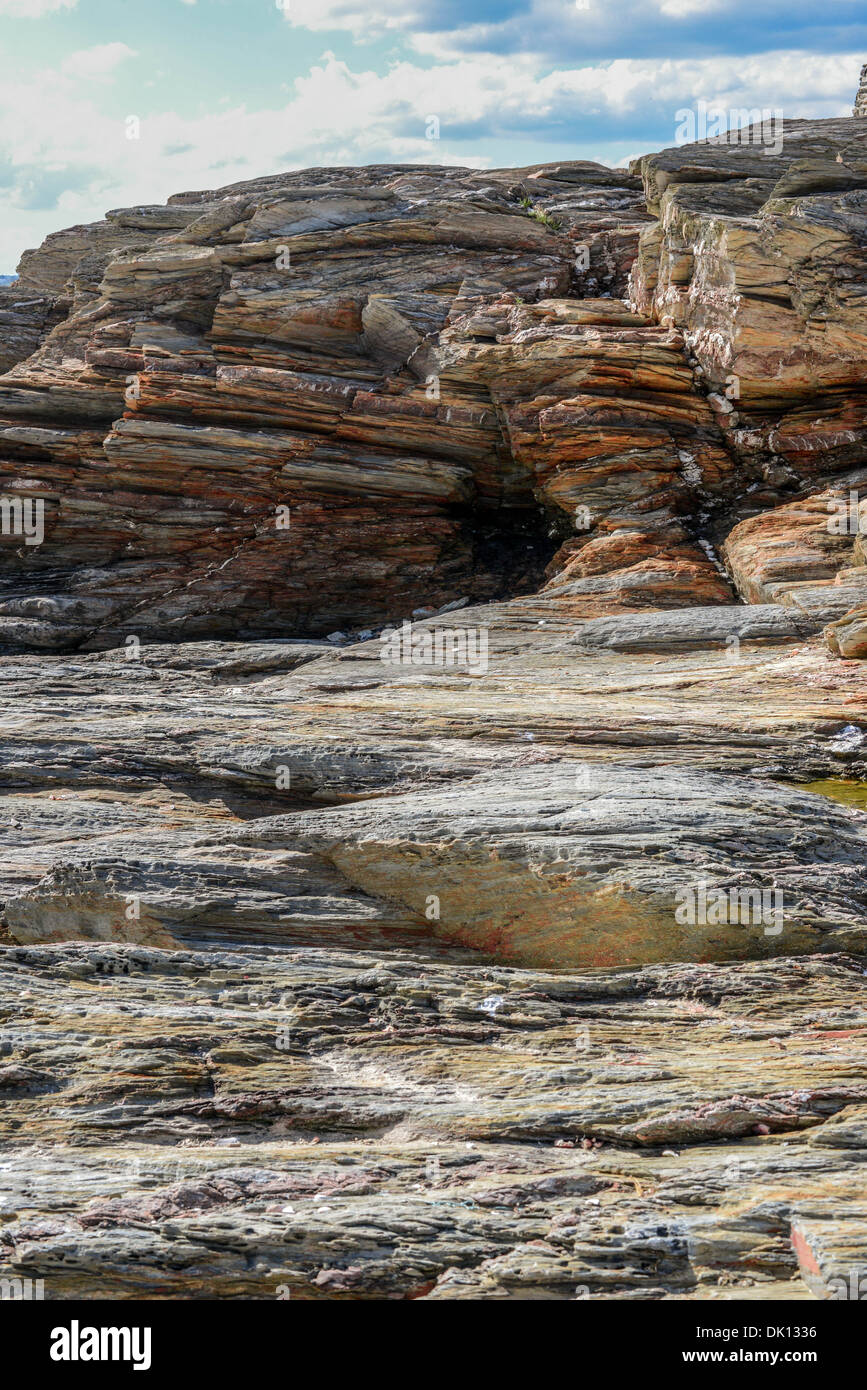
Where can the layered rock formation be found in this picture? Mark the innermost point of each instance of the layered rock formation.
(489, 949)
(247, 385)
(240, 380)
(758, 256)
(330, 1124)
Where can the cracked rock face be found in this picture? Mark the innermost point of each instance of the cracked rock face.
(432, 606)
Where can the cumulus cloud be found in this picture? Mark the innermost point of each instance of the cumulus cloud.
(33, 9)
(360, 20)
(564, 31)
(66, 160)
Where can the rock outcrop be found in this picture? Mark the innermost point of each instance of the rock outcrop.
(243, 424)
(758, 256)
(401, 367)
(434, 745)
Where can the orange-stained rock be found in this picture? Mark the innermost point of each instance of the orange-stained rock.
(847, 637)
(808, 540)
(271, 408)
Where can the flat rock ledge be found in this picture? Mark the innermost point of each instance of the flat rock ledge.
(324, 1124)
(561, 863)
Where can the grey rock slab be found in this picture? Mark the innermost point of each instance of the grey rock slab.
(598, 865)
(697, 627)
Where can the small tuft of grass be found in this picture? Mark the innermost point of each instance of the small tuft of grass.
(540, 215)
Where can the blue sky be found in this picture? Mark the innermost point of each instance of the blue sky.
(227, 89)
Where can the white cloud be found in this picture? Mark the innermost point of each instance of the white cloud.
(33, 9)
(55, 139)
(380, 16)
(101, 61)
(566, 32)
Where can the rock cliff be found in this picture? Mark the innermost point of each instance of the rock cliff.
(431, 605)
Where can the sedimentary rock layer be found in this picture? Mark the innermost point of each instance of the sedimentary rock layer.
(320, 400)
(552, 809)
(411, 963)
(323, 1124)
(239, 424)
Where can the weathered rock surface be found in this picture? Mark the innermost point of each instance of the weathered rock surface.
(329, 1124)
(498, 954)
(759, 257)
(25, 318)
(480, 1131)
(245, 384)
(240, 380)
(848, 636)
(558, 864)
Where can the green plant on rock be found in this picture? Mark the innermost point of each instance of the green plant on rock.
(541, 215)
